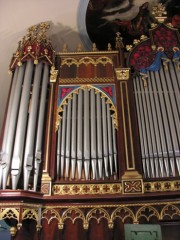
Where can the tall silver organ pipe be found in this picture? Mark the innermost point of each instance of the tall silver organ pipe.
(99, 137)
(6, 159)
(40, 124)
(73, 136)
(10, 125)
(22, 142)
(93, 135)
(30, 136)
(159, 122)
(21, 125)
(86, 120)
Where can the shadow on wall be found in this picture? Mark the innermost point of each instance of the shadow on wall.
(60, 35)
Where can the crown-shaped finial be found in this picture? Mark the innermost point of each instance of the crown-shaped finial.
(159, 12)
(44, 26)
(119, 43)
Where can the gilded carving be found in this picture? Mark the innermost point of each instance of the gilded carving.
(85, 80)
(123, 213)
(122, 74)
(147, 212)
(162, 186)
(132, 186)
(98, 214)
(9, 213)
(49, 214)
(134, 211)
(170, 211)
(83, 87)
(85, 189)
(30, 214)
(73, 214)
(159, 12)
(53, 75)
(86, 60)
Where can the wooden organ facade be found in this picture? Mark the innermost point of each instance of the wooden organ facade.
(91, 140)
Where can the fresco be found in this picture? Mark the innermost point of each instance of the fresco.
(131, 18)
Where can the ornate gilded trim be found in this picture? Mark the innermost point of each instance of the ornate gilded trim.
(86, 53)
(83, 87)
(85, 80)
(86, 60)
(124, 212)
(86, 189)
(122, 74)
(132, 186)
(133, 212)
(164, 186)
(53, 75)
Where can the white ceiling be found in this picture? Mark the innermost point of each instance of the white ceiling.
(66, 17)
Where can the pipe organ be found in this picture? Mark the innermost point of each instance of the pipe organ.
(91, 142)
(159, 122)
(87, 147)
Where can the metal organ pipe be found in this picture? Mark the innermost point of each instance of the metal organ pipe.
(79, 135)
(114, 145)
(68, 132)
(6, 158)
(86, 134)
(21, 126)
(63, 141)
(159, 122)
(74, 136)
(30, 136)
(99, 136)
(93, 134)
(59, 147)
(110, 147)
(40, 124)
(8, 120)
(105, 141)
(85, 116)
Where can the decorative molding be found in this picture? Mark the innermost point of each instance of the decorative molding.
(132, 186)
(133, 212)
(110, 213)
(86, 60)
(162, 186)
(85, 80)
(86, 189)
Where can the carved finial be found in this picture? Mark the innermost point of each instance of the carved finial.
(79, 48)
(143, 37)
(13, 231)
(136, 41)
(109, 47)
(119, 43)
(129, 47)
(54, 74)
(158, 12)
(65, 48)
(94, 48)
(43, 29)
(32, 32)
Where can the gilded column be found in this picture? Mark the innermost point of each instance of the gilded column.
(131, 179)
